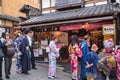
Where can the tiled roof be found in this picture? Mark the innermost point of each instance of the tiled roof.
(81, 13)
(11, 18)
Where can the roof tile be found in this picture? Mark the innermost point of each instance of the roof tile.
(73, 14)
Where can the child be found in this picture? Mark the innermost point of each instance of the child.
(92, 61)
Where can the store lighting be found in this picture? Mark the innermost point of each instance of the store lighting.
(83, 26)
(55, 29)
(45, 29)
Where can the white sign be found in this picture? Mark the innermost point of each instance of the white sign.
(109, 29)
(44, 42)
(1, 31)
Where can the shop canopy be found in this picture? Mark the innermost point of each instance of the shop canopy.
(93, 13)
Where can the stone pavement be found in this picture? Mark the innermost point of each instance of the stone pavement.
(40, 74)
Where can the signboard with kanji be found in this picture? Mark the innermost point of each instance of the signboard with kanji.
(109, 29)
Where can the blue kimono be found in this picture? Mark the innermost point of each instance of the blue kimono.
(25, 59)
(92, 58)
(17, 47)
(85, 51)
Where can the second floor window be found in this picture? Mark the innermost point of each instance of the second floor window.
(48, 6)
(118, 1)
(94, 2)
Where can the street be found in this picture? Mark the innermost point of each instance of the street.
(40, 74)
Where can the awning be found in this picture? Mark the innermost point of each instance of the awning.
(78, 15)
(67, 22)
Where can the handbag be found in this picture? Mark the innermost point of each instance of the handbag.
(1, 53)
(10, 50)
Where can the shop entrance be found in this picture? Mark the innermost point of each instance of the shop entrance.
(96, 37)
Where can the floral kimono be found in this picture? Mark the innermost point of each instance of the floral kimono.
(17, 44)
(74, 53)
(53, 54)
(117, 57)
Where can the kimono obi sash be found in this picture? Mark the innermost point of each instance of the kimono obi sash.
(75, 50)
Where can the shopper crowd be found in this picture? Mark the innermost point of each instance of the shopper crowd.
(86, 62)
(21, 48)
(94, 64)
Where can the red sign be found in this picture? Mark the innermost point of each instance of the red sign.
(88, 26)
(70, 27)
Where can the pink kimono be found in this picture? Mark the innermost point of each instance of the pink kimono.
(117, 57)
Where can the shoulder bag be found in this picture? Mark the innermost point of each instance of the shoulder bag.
(10, 50)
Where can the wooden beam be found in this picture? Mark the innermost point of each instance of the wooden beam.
(50, 8)
(93, 1)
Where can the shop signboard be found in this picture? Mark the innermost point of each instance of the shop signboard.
(109, 29)
(70, 27)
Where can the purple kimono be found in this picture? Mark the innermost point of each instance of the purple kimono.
(25, 59)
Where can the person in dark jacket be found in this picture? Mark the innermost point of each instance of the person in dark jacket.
(32, 56)
(8, 59)
(1, 59)
(2, 39)
(26, 53)
(31, 43)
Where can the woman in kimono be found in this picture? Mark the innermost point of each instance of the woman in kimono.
(18, 53)
(74, 52)
(117, 57)
(53, 54)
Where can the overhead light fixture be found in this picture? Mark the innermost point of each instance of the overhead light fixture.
(83, 26)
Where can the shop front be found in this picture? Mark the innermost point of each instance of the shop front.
(42, 39)
(100, 22)
(99, 31)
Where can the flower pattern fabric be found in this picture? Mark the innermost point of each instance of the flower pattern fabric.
(117, 57)
(73, 51)
(17, 44)
(54, 53)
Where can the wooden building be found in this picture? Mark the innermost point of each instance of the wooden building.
(99, 18)
(9, 13)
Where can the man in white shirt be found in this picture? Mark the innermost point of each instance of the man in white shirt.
(30, 39)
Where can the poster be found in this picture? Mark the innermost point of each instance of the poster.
(36, 52)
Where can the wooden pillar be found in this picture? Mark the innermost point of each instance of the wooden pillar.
(117, 28)
(40, 7)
